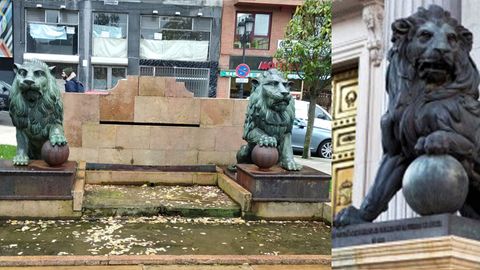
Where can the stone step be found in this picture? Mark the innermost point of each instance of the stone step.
(186, 201)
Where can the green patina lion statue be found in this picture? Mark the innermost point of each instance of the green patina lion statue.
(269, 119)
(36, 110)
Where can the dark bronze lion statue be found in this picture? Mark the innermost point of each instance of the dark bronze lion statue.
(433, 108)
(269, 119)
(36, 110)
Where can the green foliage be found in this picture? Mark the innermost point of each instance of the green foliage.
(307, 50)
(307, 44)
(7, 151)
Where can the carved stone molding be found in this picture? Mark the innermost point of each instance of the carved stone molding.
(372, 15)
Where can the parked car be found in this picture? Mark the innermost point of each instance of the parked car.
(321, 141)
(322, 118)
(4, 93)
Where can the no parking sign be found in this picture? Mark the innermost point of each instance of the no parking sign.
(242, 70)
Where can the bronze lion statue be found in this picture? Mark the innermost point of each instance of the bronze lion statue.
(433, 108)
(36, 110)
(269, 119)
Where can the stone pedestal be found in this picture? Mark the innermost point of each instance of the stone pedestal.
(36, 181)
(37, 190)
(432, 242)
(280, 185)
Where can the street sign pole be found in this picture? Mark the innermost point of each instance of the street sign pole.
(242, 71)
(240, 93)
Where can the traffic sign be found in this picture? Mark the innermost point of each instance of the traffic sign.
(241, 80)
(242, 70)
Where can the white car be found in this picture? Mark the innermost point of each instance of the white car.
(322, 118)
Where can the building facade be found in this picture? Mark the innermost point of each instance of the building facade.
(270, 21)
(104, 41)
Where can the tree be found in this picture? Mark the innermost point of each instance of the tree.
(307, 50)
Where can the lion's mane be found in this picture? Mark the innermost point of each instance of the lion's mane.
(260, 109)
(401, 72)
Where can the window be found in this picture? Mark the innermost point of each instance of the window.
(260, 36)
(105, 78)
(52, 31)
(109, 35)
(175, 38)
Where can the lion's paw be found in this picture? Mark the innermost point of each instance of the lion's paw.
(291, 165)
(58, 139)
(267, 141)
(348, 216)
(437, 143)
(21, 160)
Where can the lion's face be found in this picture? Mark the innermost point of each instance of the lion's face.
(32, 80)
(276, 93)
(432, 51)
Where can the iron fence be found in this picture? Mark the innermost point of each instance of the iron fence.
(196, 79)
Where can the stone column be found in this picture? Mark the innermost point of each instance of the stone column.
(368, 150)
(470, 11)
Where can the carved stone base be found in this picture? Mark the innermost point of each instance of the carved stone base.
(406, 229)
(277, 184)
(445, 252)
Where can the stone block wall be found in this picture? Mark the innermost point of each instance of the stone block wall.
(153, 121)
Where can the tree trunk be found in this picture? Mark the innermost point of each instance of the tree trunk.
(311, 119)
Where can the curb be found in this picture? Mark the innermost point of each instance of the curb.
(164, 260)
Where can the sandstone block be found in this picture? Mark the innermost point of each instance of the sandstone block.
(167, 110)
(132, 137)
(148, 157)
(75, 113)
(115, 156)
(217, 157)
(119, 104)
(216, 112)
(98, 135)
(151, 86)
(239, 111)
(229, 138)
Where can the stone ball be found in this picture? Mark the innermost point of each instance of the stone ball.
(264, 157)
(435, 184)
(54, 155)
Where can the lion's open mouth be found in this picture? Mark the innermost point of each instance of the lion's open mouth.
(281, 102)
(31, 94)
(435, 70)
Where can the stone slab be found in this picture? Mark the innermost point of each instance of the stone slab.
(235, 191)
(37, 181)
(119, 104)
(406, 229)
(277, 184)
(37, 209)
(167, 110)
(288, 210)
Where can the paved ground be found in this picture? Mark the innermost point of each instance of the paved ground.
(321, 164)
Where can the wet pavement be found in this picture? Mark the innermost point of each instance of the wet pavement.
(191, 201)
(162, 236)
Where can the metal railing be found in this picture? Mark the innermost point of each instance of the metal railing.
(196, 80)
